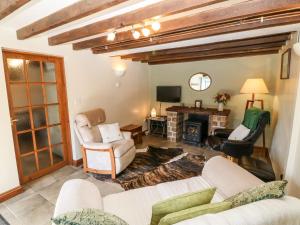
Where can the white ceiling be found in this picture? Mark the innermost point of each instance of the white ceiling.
(38, 9)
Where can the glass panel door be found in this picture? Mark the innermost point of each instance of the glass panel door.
(36, 111)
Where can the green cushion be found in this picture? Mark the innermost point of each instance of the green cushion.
(274, 189)
(180, 202)
(190, 213)
(251, 118)
(88, 216)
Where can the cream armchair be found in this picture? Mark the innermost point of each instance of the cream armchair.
(99, 157)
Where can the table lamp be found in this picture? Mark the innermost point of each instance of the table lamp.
(254, 86)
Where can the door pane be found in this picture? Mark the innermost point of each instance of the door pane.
(19, 95)
(34, 71)
(15, 70)
(28, 165)
(57, 153)
(23, 119)
(44, 159)
(51, 93)
(41, 137)
(49, 72)
(55, 133)
(36, 94)
(25, 143)
(39, 117)
(53, 114)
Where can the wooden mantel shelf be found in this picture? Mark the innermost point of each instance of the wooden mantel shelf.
(206, 111)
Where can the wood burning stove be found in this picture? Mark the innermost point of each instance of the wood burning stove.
(195, 129)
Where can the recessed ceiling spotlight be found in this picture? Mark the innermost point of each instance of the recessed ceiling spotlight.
(146, 32)
(111, 36)
(136, 34)
(155, 26)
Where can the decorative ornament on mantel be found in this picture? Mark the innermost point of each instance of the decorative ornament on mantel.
(221, 99)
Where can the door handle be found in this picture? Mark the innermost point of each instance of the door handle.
(14, 121)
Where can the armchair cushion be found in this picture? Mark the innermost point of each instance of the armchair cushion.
(239, 133)
(222, 132)
(122, 146)
(97, 145)
(110, 132)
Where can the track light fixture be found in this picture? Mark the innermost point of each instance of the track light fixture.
(136, 35)
(146, 32)
(155, 26)
(111, 36)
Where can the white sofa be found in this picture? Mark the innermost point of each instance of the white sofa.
(134, 206)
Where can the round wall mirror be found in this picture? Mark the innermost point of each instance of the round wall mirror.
(200, 81)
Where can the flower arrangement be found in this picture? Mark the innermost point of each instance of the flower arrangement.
(222, 98)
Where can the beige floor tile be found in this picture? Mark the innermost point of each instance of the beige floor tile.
(106, 188)
(42, 182)
(9, 217)
(27, 192)
(64, 172)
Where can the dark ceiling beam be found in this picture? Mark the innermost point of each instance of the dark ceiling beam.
(159, 9)
(9, 6)
(251, 24)
(237, 13)
(213, 57)
(66, 15)
(219, 45)
(244, 49)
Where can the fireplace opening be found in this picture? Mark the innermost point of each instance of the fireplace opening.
(195, 129)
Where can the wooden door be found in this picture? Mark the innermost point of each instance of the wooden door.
(38, 110)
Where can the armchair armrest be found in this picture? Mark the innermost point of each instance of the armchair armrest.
(222, 133)
(126, 135)
(96, 146)
(237, 149)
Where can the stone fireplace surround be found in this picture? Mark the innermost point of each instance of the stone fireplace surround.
(176, 115)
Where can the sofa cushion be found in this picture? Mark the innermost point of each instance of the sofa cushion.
(274, 189)
(135, 206)
(229, 181)
(193, 212)
(122, 146)
(90, 134)
(180, 202)
(88, 216)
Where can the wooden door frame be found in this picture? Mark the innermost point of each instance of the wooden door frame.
(63, 100)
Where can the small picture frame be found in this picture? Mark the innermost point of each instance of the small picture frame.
(285, 65)
(198, 104)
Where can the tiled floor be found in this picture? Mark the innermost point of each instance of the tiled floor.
(35, 206)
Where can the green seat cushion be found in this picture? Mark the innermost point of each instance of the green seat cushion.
(88, 216)
(270, 190)
(193, 212)
(180, 202)
(251, 118)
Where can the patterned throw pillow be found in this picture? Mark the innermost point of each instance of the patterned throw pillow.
(270, 190)
(88, 216)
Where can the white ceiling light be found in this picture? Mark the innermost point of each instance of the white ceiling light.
(146, 32)
(296, 46)
(111, 36)
(155, 26)
(136, 34)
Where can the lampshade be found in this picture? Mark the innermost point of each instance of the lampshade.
(254, 86)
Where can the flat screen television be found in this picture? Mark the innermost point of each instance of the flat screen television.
(168, 93)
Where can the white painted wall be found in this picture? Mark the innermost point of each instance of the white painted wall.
(283, 113)
(227, 75)
(90, 83)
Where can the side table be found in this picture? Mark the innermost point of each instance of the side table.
(158, 126)
(136, 132)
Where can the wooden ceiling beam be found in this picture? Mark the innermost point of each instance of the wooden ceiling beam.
(213, 57)
(237, 13)
(244, 49)
(9, 6)
(66, 15)
(206, 47)
(231, 27)
(130, 18)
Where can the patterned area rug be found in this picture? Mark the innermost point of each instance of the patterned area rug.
(3, 221)
(156, 166)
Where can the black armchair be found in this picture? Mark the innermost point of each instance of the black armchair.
(219, 141)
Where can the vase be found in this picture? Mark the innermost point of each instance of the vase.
(220, 107)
